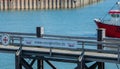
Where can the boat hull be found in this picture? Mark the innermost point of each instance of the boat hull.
(110, 30)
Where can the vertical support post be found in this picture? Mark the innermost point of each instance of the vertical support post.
(80, 64)
(17, 62)
(39, 32)
(101, 65)
(40, 64)
(100, 36)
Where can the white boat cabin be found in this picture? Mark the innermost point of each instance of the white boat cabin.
(115, 17)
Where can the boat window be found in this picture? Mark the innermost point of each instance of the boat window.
(115, 15)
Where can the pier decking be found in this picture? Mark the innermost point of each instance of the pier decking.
(79, 50)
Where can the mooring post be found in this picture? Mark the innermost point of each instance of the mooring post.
(39, 31)
(39, 34)
(100, 36)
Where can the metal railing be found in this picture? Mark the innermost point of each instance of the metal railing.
(83, 42)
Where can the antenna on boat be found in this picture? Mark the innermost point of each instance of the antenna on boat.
(110, 9)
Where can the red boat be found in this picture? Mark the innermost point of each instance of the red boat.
(111, 26)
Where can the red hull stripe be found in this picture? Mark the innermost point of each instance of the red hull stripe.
(114, 12)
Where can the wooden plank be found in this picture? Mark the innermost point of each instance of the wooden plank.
(97, 54)
(63, 53)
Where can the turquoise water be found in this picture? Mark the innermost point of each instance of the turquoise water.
(75, 22)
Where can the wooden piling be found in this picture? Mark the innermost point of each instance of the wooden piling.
(1, 5)
(18, 4)
(4, 4)
(50, 4)
(42, 4)
(100, 36)
(13, 5)
(30, 4)
(58, 6)
(54, 5)
(22, 4)
(26, 4)
(65, 3)
(40, 64)
(45, 4)
(18, 62)
(34, 4)
(39, 31)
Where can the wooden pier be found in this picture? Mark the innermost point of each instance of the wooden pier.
(45, 48)
(43, 4)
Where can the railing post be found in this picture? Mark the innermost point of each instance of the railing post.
(100, 36)
(39, 34)
(39, 31)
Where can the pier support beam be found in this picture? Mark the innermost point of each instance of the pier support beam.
(101, 65)
(32, 62)
(25, 64)
(53, 67)
(18, 64)
(40, 64)
(93, 66)
(100, 36)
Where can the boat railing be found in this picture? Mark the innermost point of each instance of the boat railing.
(105, 21)
(111, 22)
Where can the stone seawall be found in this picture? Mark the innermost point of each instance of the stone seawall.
(43, 4)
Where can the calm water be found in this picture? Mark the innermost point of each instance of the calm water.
(76, 22)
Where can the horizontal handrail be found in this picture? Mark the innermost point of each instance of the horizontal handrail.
(47, 35)
(83, 41)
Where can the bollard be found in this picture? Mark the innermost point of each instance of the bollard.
(100, 36)
(39, 31)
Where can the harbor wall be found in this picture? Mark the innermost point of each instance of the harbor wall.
(43, 4)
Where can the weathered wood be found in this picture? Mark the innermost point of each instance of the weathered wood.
(100, 36)
(25, 64)
(61, 54)
(40, 64)
(18, 64)
(41, 4)
(53, 67)
(101, 65)
(93, 66)
(39, 31)
(18, 61)
(32, 62)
